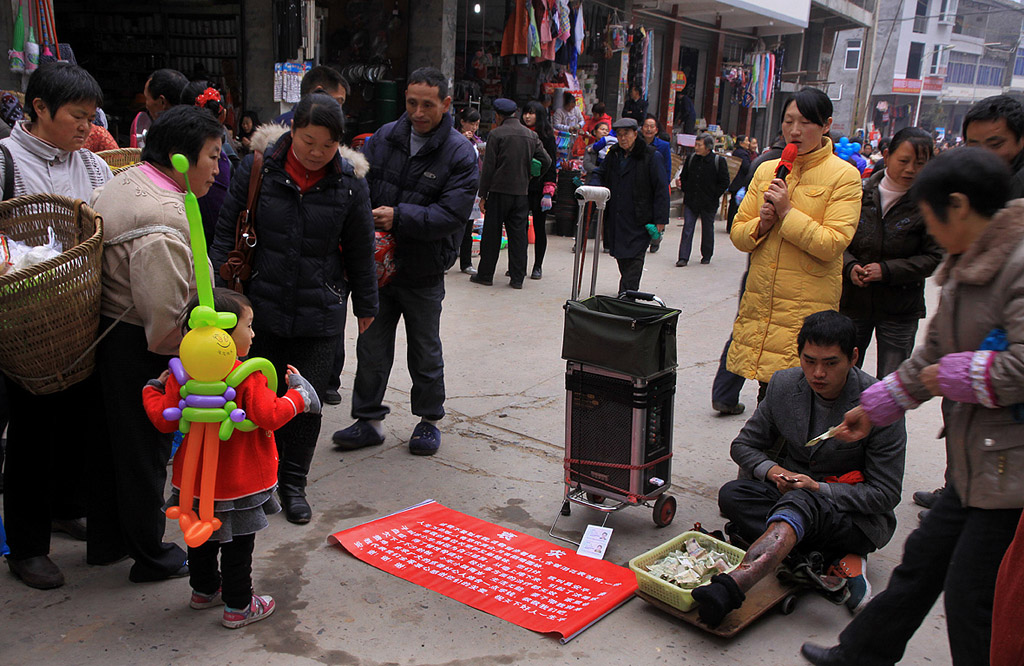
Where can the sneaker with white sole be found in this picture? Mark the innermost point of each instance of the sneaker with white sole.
(259, 608)
(199, 601)
(854, 569)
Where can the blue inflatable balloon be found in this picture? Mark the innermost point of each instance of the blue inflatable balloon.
(844, 140)
(856, 147)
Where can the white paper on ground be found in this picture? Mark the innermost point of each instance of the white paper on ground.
(595, 542)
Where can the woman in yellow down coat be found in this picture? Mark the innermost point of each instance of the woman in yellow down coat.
(796, 232)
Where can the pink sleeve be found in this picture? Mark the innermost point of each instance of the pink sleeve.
(964, 377)
(886, 401)
(549, 188)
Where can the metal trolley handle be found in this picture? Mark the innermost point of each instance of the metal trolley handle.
(599, 197)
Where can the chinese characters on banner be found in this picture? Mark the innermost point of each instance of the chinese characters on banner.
(527, 581)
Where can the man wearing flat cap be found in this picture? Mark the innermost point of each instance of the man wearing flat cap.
(635, 174)
(504, 190)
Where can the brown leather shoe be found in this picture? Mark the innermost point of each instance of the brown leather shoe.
(38, 572)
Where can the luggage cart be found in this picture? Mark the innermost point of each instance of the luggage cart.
(620, 390)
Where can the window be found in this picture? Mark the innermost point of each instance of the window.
(852, 54)
(934, 69)
(991, 72)
(914, 60)
(962, 68)
(1018, 64)
(921, 16)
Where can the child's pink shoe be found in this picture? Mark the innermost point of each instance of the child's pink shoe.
(200, 601)
(259, 608)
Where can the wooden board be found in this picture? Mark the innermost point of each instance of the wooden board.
(768, 592)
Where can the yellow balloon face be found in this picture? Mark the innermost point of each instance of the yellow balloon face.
(208, 353)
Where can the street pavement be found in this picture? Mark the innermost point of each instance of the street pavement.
(501, 461)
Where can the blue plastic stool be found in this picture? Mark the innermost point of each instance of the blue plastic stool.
(4, 550)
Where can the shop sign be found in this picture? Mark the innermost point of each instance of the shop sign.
(933, 83)
(907, 86)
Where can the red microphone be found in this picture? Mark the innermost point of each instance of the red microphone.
(789, 153)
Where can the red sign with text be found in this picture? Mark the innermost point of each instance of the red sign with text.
(527, 581)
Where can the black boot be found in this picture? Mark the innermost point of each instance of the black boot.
(291, 482)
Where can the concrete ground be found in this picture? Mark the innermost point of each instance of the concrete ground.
(501, 461)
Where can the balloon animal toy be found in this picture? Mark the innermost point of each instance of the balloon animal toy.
(204, 368)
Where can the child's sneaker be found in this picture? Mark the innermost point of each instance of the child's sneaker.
(854, 569)
(259, 608)
(200, 601)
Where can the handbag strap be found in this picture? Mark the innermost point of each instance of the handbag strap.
(255, 182)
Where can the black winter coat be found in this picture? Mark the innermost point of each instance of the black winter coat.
(639, 196)
(743, 173)
(300, 278)
(511, 148)
(902, 246)
(432, 194)
(704, 179)
(551, 174)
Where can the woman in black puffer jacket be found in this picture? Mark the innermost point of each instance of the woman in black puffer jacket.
(891, 255)
(315, 245)
(542, 187)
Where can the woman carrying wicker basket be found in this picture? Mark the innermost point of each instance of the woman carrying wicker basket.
(46, 438)
(147, 280)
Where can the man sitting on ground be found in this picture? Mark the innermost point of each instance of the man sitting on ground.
(828, 496)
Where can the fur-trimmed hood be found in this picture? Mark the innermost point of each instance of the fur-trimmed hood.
(268, 134)
(981, 262)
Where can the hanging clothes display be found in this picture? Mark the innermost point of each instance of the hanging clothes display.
(544, 11)
(574, 40)
(516, 39)
(533, 35)
(562, 21)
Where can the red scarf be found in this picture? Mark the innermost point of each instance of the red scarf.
(303, 177)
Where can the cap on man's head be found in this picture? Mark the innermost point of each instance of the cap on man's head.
(505, 106)
(625, 123)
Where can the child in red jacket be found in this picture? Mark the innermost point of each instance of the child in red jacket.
(246, 475)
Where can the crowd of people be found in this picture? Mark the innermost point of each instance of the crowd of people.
(835, 258)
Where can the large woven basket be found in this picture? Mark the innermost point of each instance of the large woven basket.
(119, 159)
(50, 312)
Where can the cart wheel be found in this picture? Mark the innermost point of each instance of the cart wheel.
(595, 498)
(788, 604)
(664, 510)
(566, 509)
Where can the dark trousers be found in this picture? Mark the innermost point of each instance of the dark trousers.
(894, 340)
(734, 208)
(955, 551)
(630, 272)
(48, 441)
(707, 233)
(125, 514)
(338, 365)
(314, 358)
(727, 385)
(510, 210)
(420, 307)
(234, 576)
(748, 503)
(540, 233)
(466, 247)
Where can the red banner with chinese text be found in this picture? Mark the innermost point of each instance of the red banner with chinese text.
(527, 581)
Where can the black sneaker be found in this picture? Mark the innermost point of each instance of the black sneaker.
(332, 397)
(682, 262)
(476, 279)
(728, 410)
(536, 274)
(359, 435)
(927, 498)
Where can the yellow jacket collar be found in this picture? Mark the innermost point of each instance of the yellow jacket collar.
(815, 157)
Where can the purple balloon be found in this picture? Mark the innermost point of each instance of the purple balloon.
(230, 393)
(182, 404)
(238, 415)
(172, 414)
(205, 401)
(178, 370)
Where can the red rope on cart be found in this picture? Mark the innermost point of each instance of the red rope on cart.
(570, 461)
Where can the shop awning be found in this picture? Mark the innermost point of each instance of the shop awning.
(770, 17)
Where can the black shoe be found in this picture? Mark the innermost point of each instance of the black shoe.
(536, 274)
(140, 574)
(359, 435)
(476, 279)
(516, 285)
(705, 261)
(296, 508)
(728, 410)
(921, 515)
(927, 499)
(655, 247)
(468, 270)
(822, 656)
(73, 527)
(682, 262)
(332, 397)
(507, 274)
(38, 572)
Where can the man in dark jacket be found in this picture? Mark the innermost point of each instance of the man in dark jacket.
(997, 123)
(704, 178)
(636, 106)
(635, 175)
(814, 494)
(504, 187)
(742, 151)
(423, 180)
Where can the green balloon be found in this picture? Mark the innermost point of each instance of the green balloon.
(180, 162)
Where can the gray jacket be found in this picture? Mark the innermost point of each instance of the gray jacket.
(40, 168)
(782, 422)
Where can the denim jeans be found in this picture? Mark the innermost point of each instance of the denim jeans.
(375, 352)
(956, 551)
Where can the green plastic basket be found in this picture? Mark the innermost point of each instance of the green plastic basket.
(665, 591)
